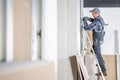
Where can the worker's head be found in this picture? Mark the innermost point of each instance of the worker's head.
(95, 12)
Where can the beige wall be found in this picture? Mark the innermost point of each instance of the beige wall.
(110, 62)
(22, 29)
(39, 70)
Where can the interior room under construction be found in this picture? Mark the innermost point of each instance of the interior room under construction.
(46, 40)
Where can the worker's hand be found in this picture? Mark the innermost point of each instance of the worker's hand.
(85, 18)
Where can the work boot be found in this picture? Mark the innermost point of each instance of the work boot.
(99, 74)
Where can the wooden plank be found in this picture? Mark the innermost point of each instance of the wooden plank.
(82, 66)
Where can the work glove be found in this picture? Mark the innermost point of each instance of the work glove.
(85, 18)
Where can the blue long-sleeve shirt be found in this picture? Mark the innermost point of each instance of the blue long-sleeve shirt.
(97, 26)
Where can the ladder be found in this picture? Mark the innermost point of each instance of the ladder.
(95, 56)
(80, 63)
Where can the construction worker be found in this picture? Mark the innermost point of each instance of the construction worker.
(97, 27)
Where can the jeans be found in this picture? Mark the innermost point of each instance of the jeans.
(97, 49)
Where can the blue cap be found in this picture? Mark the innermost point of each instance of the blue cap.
(96, 10)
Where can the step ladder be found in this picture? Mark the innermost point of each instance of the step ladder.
(81, 66)
(98, 65)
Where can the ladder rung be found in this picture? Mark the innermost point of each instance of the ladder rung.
(87, 48)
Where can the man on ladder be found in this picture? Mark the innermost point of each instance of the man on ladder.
(97, 27)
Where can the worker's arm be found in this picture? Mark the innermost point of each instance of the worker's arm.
(89, 19)
(93, 26)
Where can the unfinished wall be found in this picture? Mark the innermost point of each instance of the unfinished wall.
(22, 29)
(60, 26)
(29, 70)
(67, 36)
(110, 62)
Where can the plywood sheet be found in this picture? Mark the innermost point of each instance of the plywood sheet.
(110, 62)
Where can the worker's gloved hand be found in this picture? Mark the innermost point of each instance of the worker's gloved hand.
(85, 18)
